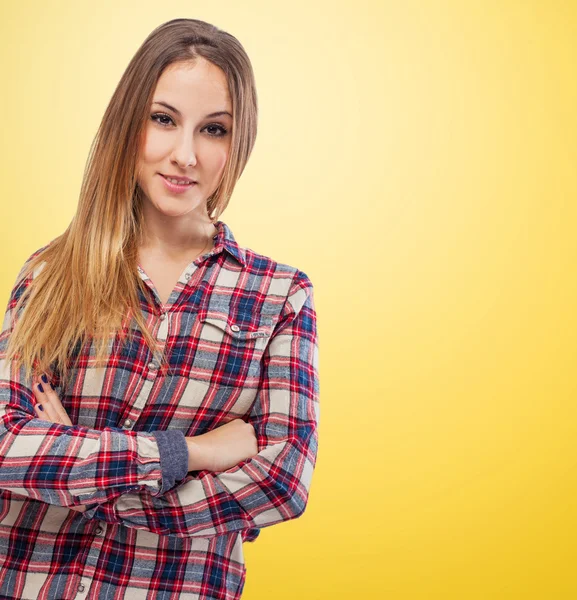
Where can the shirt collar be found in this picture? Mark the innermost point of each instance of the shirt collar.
(225, 238)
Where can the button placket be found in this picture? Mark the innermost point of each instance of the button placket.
(162, 332)
(89, 561)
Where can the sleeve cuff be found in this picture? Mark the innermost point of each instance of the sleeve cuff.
(173, 457)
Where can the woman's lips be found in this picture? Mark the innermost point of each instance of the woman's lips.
(176, 187)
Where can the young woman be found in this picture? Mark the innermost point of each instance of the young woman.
(158, 382)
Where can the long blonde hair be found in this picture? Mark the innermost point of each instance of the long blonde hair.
(88, 287)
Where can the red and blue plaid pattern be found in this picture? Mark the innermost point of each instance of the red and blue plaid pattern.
(240, 340)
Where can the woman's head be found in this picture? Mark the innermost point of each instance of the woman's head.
(198, 66)
(187, 135)
(91, 269)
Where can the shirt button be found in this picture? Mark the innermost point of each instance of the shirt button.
(162, 316)
(152, 366)
(127, 423)
(235, 327)
(80, 588)
(99, 530)
(187, 276)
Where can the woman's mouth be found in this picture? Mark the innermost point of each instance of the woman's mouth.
(172, 185)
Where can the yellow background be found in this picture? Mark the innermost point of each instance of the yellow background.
(417, 161)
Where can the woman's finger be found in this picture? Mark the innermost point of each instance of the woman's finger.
(44, 408)
(42, 414)
(55, 402)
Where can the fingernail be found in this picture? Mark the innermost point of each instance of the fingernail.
(40, 406)
(40, 387)
(44, 379)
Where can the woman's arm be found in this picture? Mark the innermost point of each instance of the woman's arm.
(216, 450)
(68, 465)
(272, 486)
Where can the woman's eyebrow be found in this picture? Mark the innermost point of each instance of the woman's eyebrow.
(176, 111)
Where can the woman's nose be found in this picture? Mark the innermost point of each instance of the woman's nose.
(184, 153)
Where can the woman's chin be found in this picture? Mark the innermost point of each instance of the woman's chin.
(174, 207)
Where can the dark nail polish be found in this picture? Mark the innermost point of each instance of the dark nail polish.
(44, 379)
(51, 386)
(40, 406)
(40, 387)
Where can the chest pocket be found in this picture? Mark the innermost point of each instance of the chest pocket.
(229, 351)
(221, 365)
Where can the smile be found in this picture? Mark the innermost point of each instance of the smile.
(176, 187)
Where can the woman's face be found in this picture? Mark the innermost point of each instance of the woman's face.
(189, 138)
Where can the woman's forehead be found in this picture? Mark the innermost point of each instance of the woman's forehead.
(193, 88)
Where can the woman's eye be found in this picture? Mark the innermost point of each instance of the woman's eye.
(156, 117)
(161, 119)
(220, 128)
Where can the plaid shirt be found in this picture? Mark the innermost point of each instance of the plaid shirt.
(239, 334)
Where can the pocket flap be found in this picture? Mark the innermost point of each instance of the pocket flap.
(242, 332)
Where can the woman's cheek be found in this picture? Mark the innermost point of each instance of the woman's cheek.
(223, 155)
(155, 147)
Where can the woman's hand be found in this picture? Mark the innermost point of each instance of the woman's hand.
(222, 448)
(49, 408)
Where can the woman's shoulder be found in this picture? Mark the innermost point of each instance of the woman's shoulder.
(280, 281)
(266, 266)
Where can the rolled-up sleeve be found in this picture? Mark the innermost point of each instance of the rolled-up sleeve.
(274, 485)
(70, 465)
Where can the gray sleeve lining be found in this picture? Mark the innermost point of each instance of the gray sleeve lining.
(173, 457)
